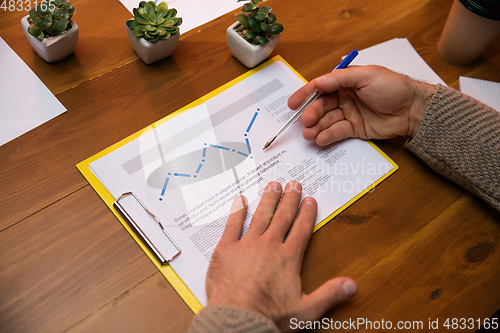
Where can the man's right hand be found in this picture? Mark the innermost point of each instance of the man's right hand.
(367, 102)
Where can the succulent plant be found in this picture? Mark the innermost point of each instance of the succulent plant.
(154, 22)
(50, 18)
(258, 22)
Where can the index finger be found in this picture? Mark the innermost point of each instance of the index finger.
(300, 95)
(350, 77)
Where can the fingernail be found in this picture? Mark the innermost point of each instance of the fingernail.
(240, 202)
(293, 186)
(309, 201)
(350, 288)
(273, 186)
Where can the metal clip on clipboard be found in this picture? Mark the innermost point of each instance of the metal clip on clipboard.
(141, 234)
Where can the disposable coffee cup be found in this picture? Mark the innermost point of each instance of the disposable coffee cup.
(471, 26)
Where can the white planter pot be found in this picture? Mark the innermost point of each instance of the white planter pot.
(56, 48)
(152, 52)
(248, 54)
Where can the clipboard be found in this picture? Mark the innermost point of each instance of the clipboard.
(127, 221)
(142, 235)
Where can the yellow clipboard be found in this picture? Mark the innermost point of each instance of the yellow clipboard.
(109, 200)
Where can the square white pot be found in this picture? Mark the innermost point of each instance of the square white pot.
(248, 54)
(55, 48)
(152, 52)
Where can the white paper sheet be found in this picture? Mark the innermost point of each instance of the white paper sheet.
(25, 102)
(188, 170)
(487, 92)
(399, 56)
(193, 12)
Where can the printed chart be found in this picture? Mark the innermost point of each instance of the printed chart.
(210, 160)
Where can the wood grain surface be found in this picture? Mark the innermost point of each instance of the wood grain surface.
(419, 246)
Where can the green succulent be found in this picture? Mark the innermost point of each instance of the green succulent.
(50, 18)
(154, 22)
(259, 23)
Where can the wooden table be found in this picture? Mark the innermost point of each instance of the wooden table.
(419, 246)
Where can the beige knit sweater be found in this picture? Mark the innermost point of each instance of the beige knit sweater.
(459, 137)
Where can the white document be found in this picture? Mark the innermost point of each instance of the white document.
(25, 101)
(399, 56)
(188, 170)
(193, 12)
(487, 92)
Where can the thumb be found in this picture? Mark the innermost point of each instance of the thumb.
(329, 295)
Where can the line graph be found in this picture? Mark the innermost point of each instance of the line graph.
(209, 160)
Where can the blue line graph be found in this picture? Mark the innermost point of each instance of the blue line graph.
(248, 146)
(165, 186)
(204, 153)
(220, 147)
(181, 175)
(251, 123)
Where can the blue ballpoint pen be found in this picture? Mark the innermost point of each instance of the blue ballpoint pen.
(310, 99)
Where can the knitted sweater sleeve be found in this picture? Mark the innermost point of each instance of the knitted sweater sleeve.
(459, 137)
(213, 319)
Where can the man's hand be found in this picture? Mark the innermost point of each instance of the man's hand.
(367, 102)
(261, 271)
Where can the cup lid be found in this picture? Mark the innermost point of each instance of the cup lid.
(486, 8)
